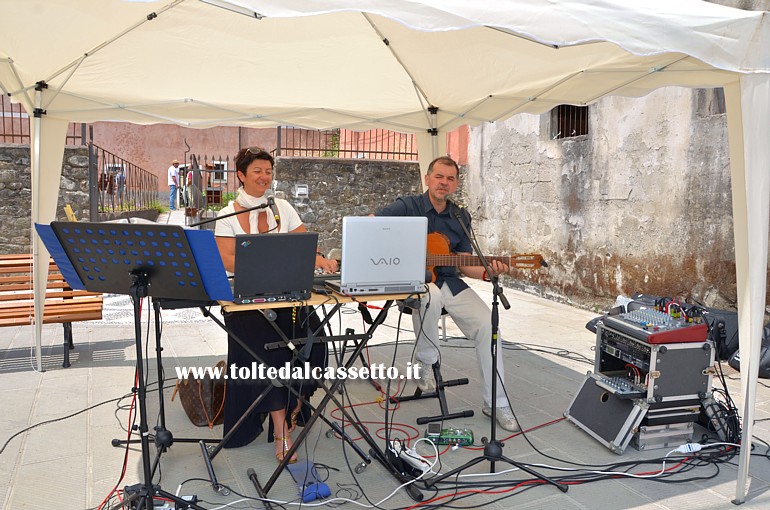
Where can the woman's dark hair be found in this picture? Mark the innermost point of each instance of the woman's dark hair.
(245, 156)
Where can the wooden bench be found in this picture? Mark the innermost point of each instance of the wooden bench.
(62, 304)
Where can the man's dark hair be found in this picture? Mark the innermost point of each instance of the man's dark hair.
(444, 160)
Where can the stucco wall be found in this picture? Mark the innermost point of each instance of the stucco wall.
(641, 203)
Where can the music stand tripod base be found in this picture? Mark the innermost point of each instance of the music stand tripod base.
(140, 260)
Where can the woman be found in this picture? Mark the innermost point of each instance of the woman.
(254, 169)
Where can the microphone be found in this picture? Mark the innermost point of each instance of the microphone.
(270, 196)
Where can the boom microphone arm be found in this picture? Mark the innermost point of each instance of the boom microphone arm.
(260, 206)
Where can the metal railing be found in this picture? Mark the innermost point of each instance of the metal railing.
(118, 185)
(15, 125)
(207, 180)
(342, 143)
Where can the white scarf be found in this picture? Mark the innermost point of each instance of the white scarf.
(247, 201)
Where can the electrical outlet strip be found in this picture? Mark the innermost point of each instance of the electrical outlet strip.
(410, 457)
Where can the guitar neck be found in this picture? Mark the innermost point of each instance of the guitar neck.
(523, 261)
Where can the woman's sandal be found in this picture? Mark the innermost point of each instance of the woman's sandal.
(293, 418)
(285, 448)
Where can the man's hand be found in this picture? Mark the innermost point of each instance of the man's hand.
(498, 267)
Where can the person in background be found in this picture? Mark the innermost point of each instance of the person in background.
(120, 181)
(254, 169)
(173, 183)
(449, 291)
(190, 191)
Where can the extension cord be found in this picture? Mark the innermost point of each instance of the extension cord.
(410, 457)
(689, 448)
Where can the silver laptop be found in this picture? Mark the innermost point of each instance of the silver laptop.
(382, 255)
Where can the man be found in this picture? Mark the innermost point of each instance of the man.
(120, 181)
(173, 180)
(466, 308)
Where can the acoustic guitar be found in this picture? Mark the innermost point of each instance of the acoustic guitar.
(439, 254)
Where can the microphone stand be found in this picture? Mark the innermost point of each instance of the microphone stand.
(260, 206)
(493, 449)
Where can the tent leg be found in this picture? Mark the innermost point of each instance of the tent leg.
(748, 101)
(47, 138)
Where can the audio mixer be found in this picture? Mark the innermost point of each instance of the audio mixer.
(652, 371)
(620, 387)
(654, 327)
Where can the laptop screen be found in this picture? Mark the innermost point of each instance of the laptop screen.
(382, 254)
(274, 267)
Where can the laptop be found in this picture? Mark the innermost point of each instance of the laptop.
(274, 267)
(382, 255)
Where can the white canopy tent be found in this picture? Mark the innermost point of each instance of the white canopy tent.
(424, 67)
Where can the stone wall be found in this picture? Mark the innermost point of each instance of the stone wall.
(16, 194)
(336, 188)
(641, 203)
(342, 187)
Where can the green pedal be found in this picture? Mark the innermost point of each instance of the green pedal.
(451, 436)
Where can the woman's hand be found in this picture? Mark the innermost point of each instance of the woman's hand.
(325, 265)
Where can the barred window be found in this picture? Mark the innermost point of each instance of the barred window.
(568, 120)
(220, 171)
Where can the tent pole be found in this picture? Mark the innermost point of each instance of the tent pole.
(47, 138)
(433, 110)
(432, 139)
(748, 101)
(37, 283)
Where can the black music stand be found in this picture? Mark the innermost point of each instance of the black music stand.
(140, 260)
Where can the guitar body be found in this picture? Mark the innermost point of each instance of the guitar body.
(438, 244)
(440, 255)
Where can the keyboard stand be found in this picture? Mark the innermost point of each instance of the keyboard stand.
(330, 391)
(317, 412)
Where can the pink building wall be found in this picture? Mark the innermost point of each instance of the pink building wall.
(457, 144)
(153, 147)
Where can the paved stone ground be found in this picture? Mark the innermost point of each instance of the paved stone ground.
(56, 426)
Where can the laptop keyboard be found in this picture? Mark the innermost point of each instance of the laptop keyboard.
(322, 278)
